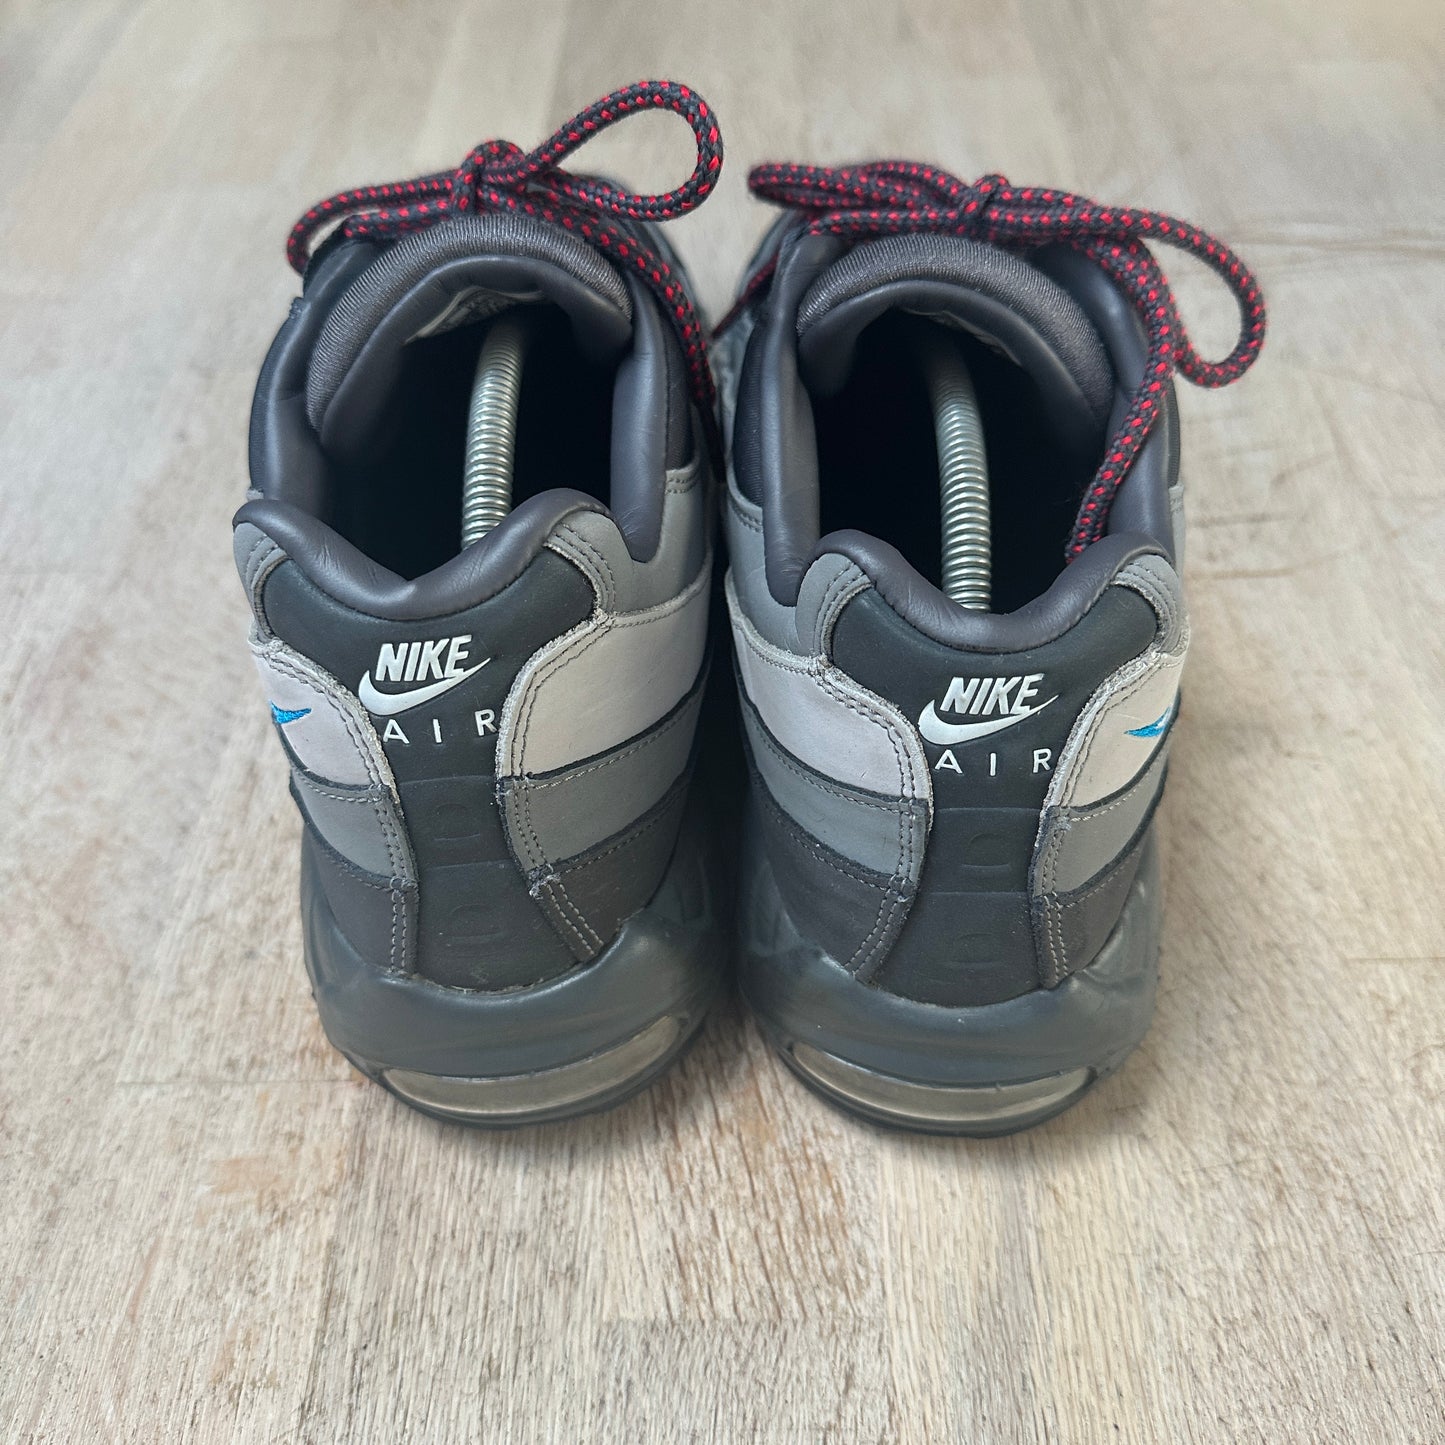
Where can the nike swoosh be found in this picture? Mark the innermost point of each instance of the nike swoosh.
(946, 735)
(1153, 729)
(283, 715)
(385, 704)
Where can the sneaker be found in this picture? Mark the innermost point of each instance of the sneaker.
(477, 551)
(955, 527)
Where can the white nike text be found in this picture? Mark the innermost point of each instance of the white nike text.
(441, 659)
(997, 703)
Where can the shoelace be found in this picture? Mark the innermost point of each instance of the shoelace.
(895, 196)
(500, 176)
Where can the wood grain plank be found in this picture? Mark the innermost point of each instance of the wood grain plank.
(214, 1231)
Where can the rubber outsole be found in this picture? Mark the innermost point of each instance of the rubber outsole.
(974, 1071)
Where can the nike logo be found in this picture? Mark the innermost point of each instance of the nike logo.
(1153, 729)
(283, 715)
(387, 704)
(997, 703)
(947, 735)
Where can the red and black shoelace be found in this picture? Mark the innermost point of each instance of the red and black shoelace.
(884, 198)
(890, 197)
(499, 176)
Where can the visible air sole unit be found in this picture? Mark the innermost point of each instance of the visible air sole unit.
(980, 1071)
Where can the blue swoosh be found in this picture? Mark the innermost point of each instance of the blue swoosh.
(283, 715)
(1153, 729)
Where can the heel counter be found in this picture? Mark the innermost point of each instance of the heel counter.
(1042, 807)
(403, 833)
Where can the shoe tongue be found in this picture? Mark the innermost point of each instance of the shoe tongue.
(451, 275)
(992, 294)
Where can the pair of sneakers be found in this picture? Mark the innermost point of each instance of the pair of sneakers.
(488, 455)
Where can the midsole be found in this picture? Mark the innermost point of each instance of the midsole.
(514, 1098)
(1091, 1020)
(667, 960)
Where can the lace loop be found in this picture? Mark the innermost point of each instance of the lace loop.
(888, 197)
(499, 176)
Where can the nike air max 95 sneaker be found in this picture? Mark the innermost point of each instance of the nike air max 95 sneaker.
(955, 525)
(477, 553)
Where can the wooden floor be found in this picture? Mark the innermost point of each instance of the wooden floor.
(211, 1230)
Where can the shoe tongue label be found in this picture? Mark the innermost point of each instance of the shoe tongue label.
(474, 303)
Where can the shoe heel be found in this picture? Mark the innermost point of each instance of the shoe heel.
(979, 1071)
(572, 1045)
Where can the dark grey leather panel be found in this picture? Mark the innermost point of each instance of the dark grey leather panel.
(850, 911)
(968, 939)
(1071, 928)
(378, 915)
(548, 598)
(588, 898)
(460, 817)
(480, 929)
(1047, 617)
(962, 949)
(977, 846)
(478, 926)
(475, 575)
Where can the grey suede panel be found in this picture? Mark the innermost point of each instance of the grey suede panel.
(829, 584)
(360, 823)
(604, 682)
(565, 813)
(1077, 844)
(330, 734)
(884, 835)
(822, 716)
(1115, 736)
